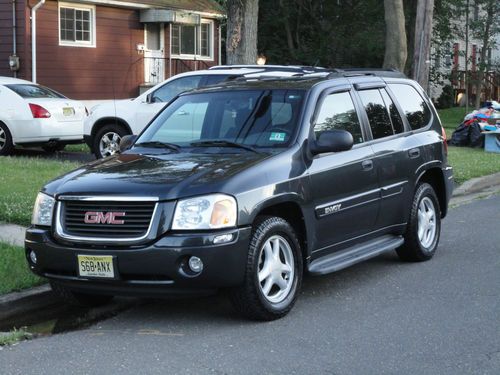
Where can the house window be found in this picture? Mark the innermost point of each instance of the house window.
(76, 25)
(190, 41)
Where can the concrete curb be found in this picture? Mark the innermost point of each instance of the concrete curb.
(476, 185)
(29, 301)
(13, 305)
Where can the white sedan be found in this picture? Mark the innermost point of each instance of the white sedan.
(34, 115)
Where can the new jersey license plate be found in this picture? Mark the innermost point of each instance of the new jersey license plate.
(68, 111)
(96, 266)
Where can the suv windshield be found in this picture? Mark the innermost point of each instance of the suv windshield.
(34, 91)
(256, 118)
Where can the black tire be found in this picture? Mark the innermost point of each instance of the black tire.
(6, 145)
(416, 249)
(105, 131)
(51, 148)
(249, 299)
(79, 299)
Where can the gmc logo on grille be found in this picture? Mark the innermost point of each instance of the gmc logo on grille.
(92, 217)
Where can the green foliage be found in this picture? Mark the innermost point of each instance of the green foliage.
(325, 33)
(446, 98)
(14, 271)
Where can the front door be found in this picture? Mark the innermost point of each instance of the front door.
(154, 53)
(344, 184)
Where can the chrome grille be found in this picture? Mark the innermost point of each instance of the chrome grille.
(134, 219)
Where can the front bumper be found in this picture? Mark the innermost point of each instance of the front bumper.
(152, 270)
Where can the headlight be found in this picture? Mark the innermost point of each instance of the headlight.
(205, 212)
(42, 212)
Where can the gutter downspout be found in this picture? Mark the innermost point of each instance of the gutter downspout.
(33, 39)
(14, 41)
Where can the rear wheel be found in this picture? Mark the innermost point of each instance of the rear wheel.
(107, 140)
(274, 271)
(424, 227)
(77, 298)
(6, 144)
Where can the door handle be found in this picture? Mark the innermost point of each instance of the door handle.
(414, 153)
(367, 165)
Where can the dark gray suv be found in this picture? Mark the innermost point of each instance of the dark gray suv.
(247, 186)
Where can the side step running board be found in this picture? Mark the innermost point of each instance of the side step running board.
(355, 254)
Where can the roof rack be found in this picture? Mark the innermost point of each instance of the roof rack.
(354, 72)
(282, 68)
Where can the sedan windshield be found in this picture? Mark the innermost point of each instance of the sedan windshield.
(253, 118)
(34, 91)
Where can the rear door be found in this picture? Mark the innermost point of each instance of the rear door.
(344, 184)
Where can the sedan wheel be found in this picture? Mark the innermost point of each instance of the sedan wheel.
(6, 145)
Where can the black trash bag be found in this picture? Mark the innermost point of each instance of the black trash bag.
(460, 136)
(467, 135)
(476, 139)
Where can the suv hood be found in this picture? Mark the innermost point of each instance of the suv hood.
(167, 177)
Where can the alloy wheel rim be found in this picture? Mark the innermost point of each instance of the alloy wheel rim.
(3, 138)
(427, 225)
(109, 144)
(276, 271)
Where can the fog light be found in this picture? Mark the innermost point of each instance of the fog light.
(33, 257)
(223, 238)
(195, 264)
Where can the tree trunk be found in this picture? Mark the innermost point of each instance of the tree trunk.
(486, 43)
(395, 35)
(422, 44)
(241, 45)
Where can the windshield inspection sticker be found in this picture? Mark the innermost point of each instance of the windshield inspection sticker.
(279, 137)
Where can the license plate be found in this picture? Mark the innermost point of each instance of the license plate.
(68, 111)
(96, 266)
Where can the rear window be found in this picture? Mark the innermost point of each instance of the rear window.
(416, 110)
(34, 91)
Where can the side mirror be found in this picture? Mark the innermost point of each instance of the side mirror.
(149, 98)
(127, 141)
(332, 141)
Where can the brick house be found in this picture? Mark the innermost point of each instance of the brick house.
(104, 49)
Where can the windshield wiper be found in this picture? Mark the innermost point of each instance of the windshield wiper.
(222, 143)
(158, 144)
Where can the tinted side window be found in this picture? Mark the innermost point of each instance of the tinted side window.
(377, 113)
(337, 112)
(414, 107)
(397, 122)
(168, 91)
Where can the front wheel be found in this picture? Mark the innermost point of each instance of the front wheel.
(424, 227)
(273, 274)
(107, 140)
(79, 299)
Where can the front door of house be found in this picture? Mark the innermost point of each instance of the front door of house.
(154, 53)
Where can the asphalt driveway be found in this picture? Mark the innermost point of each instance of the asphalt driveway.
(379, 317)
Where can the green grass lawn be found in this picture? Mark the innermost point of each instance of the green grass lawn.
(14, 271)
(82, 147)
(20, 180)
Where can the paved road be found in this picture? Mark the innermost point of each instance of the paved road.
(380, 317)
